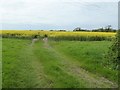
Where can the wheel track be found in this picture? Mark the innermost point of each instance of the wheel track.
(74, 69)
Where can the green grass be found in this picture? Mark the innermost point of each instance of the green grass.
(89, 55)
(14, 66)
(53, 69)
(54, 64)
(19, 67)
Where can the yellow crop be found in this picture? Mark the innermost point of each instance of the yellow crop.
(57, 33)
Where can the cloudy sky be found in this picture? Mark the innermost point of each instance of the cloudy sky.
(58, 14)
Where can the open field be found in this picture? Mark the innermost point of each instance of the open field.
(56, 64)
(56, 33)
(60, 44)
(60, 35)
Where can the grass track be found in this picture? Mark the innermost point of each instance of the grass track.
(40, 65)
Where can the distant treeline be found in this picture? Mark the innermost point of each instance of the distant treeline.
(85, 30)
(106, 29)
(94, 30)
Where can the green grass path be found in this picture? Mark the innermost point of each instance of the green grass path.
(40, 66)
(72, 67)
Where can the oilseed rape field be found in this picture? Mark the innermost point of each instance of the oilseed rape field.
(58, 35)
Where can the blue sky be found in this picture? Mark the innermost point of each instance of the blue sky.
(58, 14)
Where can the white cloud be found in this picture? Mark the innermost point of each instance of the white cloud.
(56, 12)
